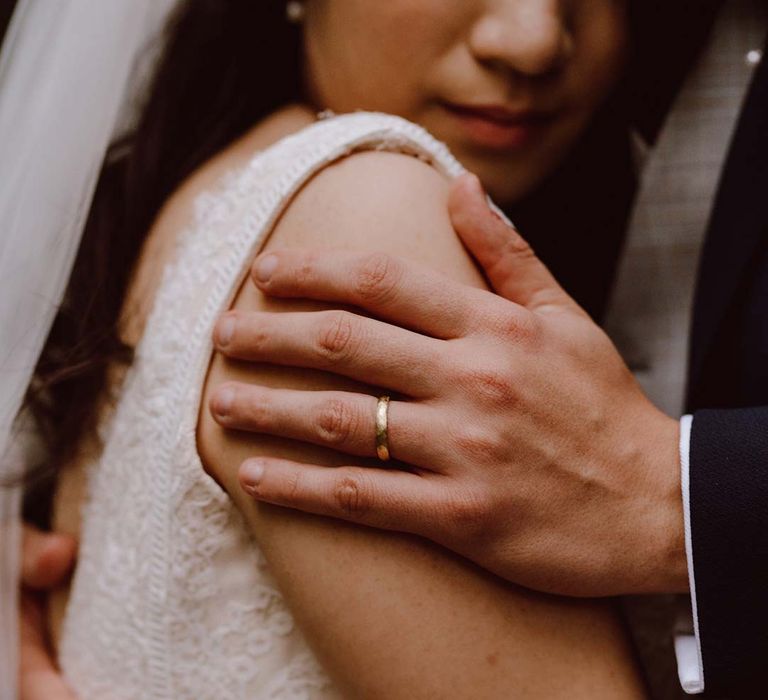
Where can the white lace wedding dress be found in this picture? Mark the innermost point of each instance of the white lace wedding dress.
(172, 598)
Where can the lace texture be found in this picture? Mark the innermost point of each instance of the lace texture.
(172, 598)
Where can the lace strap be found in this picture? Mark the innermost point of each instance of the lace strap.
(232, 226)
(297, 159)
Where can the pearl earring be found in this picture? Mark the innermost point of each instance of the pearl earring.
(294, 11)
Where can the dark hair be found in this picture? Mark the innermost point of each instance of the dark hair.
(225, 65)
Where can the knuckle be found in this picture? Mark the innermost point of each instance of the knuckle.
(334, 339)
(257, 341)
(291, 486)
(250, 333)
(476, 444)
(489, 385)
(296, 271)
(377, 278)
(467, 513)
(304, 275)
(516, 325)
(352, 494)
(303, 271)
(256, 409)
(336, 422)
(517, 246)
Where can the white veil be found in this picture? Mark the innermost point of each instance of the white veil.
(67, 72)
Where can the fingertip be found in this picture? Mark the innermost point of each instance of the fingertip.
(250, 475)
(221, 402)
(475, 187)
(468, 198)
(463, 190)
(263, 268)
(470, 184)
(224, 330)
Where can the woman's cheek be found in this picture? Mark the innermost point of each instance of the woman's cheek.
(378, 55)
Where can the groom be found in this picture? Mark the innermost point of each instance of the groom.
(687, 512)
(549, 487)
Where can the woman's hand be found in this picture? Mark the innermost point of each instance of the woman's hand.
(47, 559)
(534, 451)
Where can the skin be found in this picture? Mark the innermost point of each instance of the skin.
(525, 430)
(397, 616)
(531, 429)
(546, 429)
(559, 57)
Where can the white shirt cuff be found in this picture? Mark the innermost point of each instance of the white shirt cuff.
(690, 668)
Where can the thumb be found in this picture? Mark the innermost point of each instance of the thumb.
(513, 269)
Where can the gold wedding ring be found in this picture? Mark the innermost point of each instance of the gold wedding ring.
(382, 438)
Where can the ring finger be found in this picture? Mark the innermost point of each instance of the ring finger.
(339, 420)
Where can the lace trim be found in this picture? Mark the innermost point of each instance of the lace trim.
(146, 599)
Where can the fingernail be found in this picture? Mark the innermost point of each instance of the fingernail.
(224, 331)
(265, 267)
(477, 185)
(222, 402)
(250, 474)
(480, 191)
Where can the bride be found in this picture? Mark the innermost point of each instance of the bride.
(184, 588)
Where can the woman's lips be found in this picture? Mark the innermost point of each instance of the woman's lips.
(498, 127)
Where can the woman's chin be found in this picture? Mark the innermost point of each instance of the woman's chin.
(507, 188)
(509, 178)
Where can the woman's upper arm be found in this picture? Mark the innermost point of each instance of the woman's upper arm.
(391, 615)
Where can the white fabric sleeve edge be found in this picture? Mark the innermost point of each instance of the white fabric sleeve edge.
(690, 666)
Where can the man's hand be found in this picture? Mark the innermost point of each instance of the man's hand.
(533, 450)
(47, 560)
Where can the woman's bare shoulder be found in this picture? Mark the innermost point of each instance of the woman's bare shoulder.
(359, 594)
(379, 201)
(370, 201)
(177, 213)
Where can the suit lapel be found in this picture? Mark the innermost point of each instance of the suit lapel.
(738, 222)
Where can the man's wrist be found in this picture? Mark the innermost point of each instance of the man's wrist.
(667, 536)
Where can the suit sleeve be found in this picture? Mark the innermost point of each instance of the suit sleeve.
(726, 511)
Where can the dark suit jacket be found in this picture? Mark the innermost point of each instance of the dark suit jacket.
(728, 395)
(580, 239)
(728, 367)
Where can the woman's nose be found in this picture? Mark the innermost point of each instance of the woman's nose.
(530, 37)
